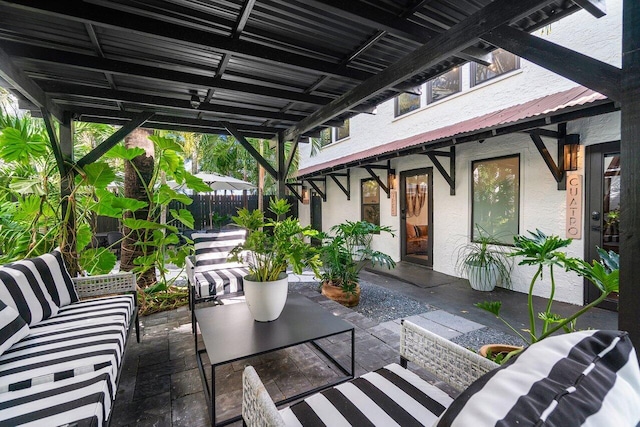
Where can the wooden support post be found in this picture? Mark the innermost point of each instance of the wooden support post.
(312, 183)
(630, 180)
(451, 176)
(292, 188)
(562, 133)
(551, 164)
(347, 190)
(282, 173)
(68, 243)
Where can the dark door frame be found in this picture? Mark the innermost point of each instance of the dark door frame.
(594, 155)
(315, 220)
(403, 226)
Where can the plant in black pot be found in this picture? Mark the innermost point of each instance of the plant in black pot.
(344, 254)
(485, 262)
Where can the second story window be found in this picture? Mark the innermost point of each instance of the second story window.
(343, 131)
(444, 85)
(501, 62)
(325, 137)
(406, 102)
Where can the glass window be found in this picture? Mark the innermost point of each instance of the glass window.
(406, 102)
(325, 137)
(343, 131)
(370, 201)
(501, 62)
(496, 197)
(444, 85)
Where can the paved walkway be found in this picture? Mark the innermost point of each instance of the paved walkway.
(160, 383)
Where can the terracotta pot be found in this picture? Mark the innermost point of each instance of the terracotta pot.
(496, 349)
(338, 295)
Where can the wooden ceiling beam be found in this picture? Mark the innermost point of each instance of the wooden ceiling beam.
(117, 67)
(582, 69)
(460, 36)
(120, 20)
(161, 102)
(26, 86)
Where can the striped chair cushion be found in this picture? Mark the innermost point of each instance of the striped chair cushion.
(212, 249)
(12, 327)
(390, 396)
(219, 281)
(83, 400)
(588, 378)
(23, 288)
(84, 337)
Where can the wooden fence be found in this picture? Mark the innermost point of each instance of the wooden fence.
(203, 206)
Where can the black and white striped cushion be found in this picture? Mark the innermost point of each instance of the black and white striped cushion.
(391, 396)
(84, 337)
(212, 249)
(22, 287)
(12, 327)
(84, 400)
(588, 378)
(222, 281)
(57, 278)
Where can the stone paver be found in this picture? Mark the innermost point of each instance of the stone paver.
(436, 328)
(452, 321)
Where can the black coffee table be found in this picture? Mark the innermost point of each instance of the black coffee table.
(230, 334)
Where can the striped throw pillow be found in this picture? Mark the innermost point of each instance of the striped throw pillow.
(12, 327)
(23, 286)
(212, 249)
(587, 378)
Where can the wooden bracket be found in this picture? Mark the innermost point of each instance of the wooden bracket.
(291, 186)
(557, 170)
(347, 190)
(450, 177)
(370, 168)
(312, 183)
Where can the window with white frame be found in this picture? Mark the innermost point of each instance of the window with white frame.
(342, 132)
(329, 135)
(495, 209)
(405, 103)
(444, 85)
(502, 62)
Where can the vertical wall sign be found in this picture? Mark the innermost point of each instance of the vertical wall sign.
(394, 202)
(574, 206)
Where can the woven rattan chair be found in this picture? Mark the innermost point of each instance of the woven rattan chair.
(448, 362)
(109, 284)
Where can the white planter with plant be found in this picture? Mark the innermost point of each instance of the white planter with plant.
(271, 246)
(485, 262)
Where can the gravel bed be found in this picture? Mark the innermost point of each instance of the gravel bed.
(476, 339)
(378, 303)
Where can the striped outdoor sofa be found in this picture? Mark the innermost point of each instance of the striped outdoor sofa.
(211, 276)
(588, 378)
(62, 343)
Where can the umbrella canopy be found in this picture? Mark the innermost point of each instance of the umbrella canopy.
(221, 182)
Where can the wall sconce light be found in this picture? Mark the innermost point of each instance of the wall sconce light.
(195, 101)
(571, 149)
(391, 179)
(305, 195)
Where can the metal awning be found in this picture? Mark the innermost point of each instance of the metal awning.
(548, 110)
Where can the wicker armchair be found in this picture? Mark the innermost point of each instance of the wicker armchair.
(448, 362)
(109, 284)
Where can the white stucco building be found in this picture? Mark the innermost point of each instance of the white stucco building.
(490, 122)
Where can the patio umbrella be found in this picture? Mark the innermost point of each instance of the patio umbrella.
(221, 182)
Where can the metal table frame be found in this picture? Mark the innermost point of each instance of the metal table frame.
(297, 307)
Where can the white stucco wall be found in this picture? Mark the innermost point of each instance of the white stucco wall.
(542, 205)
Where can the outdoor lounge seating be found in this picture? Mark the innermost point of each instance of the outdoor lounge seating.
(211, 276)
(61, 353)
(583, 378)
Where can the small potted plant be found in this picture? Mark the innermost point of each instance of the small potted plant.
(542, 251)
(485, 262)
(271, 246)
(344, 254)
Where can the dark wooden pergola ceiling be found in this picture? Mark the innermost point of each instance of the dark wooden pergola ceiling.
(263, 66)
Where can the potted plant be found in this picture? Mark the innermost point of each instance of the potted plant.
(344, 255)
(485, 262)
(542, 251)
(271, 246)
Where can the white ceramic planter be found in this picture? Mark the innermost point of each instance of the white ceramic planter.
(266, 300)
(483, 278)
